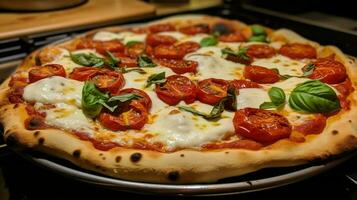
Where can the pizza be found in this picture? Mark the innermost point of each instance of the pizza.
(186, 99)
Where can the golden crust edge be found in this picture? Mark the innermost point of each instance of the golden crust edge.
(194, 166)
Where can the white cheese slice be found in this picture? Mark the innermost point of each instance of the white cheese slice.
(212, 65)
(125, 36)
(195, 38)
(106, 36)
(67, 117)
(175, 34)
(251, 97)
(285, 65)
(184, 130)
(53, 90)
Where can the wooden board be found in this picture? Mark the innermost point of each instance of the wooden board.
(91, 13)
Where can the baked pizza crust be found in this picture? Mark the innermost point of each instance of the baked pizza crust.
(185, 166)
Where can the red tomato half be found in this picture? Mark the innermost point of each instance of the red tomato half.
(261, 125)
(261, 74)
(145, 100)
(168, 52)
(298, 51)
(175, 89)
(41, 72)
(157, 39)
(329, 70)
(101, 46)
(161, 28)
(195, 29)
(134, 116)
(188, 47)
(260, 51)
(239, 84)
(134, 50)
(314, 125)
(180, 66)
(232, 37)
(109, 81)
(212, 90)
(83, 73)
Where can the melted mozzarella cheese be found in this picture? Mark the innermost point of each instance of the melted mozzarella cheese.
(212, 65)
(251, 97)
(195, 38)
(180, 129)
(288, 85)
(125, 36)
(174, 34)
(285, 65)
(53, 90)
(67, 117)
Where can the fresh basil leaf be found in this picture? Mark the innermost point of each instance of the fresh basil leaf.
(231, 99)
(125, 70)
(124, 97)
(193, 111)
(88, 60)
(109, 107)
(241, 53)
(155, 79)
(258, 38)
(132, 42)
(208, 41)
(113, 61)
(308, 70)
(258, 30)
(92, 99)
(277, 97)
(314, 97)
(226, 51)
(145, 61)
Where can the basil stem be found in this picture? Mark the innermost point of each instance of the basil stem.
(125, 70)
(208, 41)
(145, 61)
(277, 97)
(314, 97)
(88, 60)
(155, 79)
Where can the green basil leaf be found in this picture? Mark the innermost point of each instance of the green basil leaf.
(258, 30)
(109, 107)
(258, 38)
(88, 60)
(113, 61)
(208, 41)
(242, 53)
(267, 105)
(231, 99)
(155, 79)
(193, 111)
(132, 43)
(308, 70)
(92, 99)
(314, 97)
(228, 51)
(145, 61)
(124, 97)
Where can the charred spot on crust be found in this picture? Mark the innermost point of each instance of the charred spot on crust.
(135, 157)
(350, 121)
(182, 155)
(36, 133)
(226, 152)
(103, 158)
(334, 132)
(173, 176)
(12, 141)
(38, 60)
(250, 183)
(16, 105)
(76, 153)
(41, 141)
(34, 123)
(117, 159)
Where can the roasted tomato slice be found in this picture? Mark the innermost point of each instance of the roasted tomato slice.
(239, 84)
(157, 39)
(133, 116)
(161, 28)
(345, 88)
(175, 89)
(125, 60)
(188, 46)
(260, 51)
(83, 73)
(180, 66)
(261, 125)
(168, 52)
(212, 90)
(232, 37)
(195, 29)
(329, 70)
(109, 81)
(101, 46)
(315, 125)
(41, 72)
(261, 74)
(298, 51)
(145, 100)
(134, 50)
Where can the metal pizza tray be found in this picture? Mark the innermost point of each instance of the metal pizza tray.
(261, 180)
